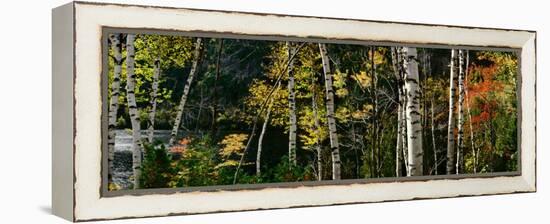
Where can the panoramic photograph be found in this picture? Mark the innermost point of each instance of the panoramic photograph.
(187, 111)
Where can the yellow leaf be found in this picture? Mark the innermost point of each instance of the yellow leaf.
(233, 144)
(341, 92)
(362, 79)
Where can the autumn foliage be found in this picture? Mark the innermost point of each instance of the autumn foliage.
(239, 79)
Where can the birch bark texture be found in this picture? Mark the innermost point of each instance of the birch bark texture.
(401, 143)
(460, 134)
(333, 135)
(153, 101)
(183, 100)
(397, 69)
(262, 134)
(292, 106)
(451, 157)
(133, 110)
(317, 128)
(414, 126)
(435, 151)
(404, 140)
(116, 47)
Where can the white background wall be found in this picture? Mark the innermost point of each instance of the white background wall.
(25, 112)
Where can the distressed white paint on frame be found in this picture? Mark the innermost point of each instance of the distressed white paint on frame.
(89, 21)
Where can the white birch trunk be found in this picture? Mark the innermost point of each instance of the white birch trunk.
(404, 140)
(399, 146)
(317, 128)
(116, 47)
(436, 162)
(451, 124)
(335, 149)
(292, 107)
(414, 127)
(460, 135)
(397, 69)
(179, 113)
(154, 91)
(261, 139)
(133, 110)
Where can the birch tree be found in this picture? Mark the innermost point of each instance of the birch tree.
(401, 143)
(116, 47)
(317, 128)
(414, 127)
(262, 134)
(192, 72)
(404, 131)
(292, 107)
(261, 139)
(434, 148)
(153, 101)
(133, 110)
(460, 135)
(261, 109)
(333, 135)
(451, 156)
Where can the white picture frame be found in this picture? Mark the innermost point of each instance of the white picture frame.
(77, 111)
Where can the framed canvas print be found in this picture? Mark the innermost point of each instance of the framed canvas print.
(165, 111)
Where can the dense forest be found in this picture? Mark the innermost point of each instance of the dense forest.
(210, 111)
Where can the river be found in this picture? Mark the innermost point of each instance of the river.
(123, 155)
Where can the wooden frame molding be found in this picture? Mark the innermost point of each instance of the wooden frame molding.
(78, 30)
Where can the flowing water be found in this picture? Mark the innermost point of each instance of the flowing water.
(123, 155)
